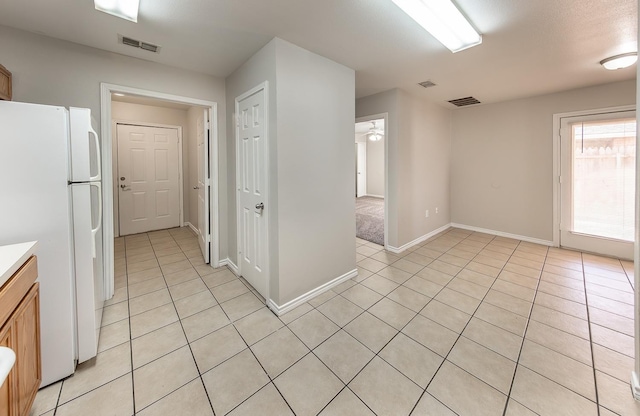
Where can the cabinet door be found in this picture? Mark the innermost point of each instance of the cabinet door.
(7, 406)
(27, 347)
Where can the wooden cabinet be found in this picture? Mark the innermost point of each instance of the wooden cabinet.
(5, 84)
(20, 331)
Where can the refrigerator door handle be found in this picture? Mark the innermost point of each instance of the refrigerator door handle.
(94, 231)
(93, 133)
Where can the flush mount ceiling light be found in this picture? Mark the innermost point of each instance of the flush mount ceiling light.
(620, 61)
(444, 21)
(124, 9)
(375, 134)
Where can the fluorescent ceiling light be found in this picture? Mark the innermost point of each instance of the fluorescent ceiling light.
(620, 61)
(118, 94)
(124, 9)
(444, 21)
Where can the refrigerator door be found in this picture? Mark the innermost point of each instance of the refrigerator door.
(36, 206)
(88, 268)
(85, 147)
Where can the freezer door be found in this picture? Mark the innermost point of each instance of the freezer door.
(85, 147)
(88, 268)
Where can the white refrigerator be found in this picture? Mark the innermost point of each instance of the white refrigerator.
(50, 191)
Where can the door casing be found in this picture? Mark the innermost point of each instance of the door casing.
(106, 131)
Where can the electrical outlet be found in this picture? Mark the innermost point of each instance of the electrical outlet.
(426, 214)
(436, 210)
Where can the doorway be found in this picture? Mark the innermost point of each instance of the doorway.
(149, 168)
(252, 188)
(202, 216)
(597, 182)
(370, 179)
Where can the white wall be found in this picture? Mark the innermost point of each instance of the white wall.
(502, 164)
(259, 68)
(315, 170)
(311, 170)
(56, 72)
(419, 151)
(121, 111)
(375, 167)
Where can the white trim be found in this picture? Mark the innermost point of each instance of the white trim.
(375, 196)
(503, 234)
(385, 117)
(106, 90)
(557, 120)
(635, 385)
(193, 228)
(418, 240)
(280, 310)
(231, 265)
(263, 86)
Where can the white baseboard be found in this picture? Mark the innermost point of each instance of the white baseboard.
(231, 265)
(503, 234)
(194, 229)
(280, 310)
(375, 196)
(418, 240)
(635, 385)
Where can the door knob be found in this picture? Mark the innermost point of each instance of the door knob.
(196, 187)
(260, 205)
(123, 186)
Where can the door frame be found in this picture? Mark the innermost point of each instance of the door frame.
(557, 155)
(361, 146)
(385, 117)
(106, 131)
(116, 195)
(264, 86)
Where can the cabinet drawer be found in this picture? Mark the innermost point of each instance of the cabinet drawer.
(16, 288)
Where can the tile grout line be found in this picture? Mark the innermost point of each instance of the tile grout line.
(593, 361)
(524, 338)
(460, 334)
(187, 340)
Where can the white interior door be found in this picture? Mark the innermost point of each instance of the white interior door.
(204, 237)
(598, 159)
(362, 169)
(251, 151)
(148, 176)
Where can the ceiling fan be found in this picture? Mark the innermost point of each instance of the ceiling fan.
(374, 134)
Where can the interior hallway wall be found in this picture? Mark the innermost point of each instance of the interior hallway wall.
(375, 167)
(311, 170)
(502, 159)
(418, 153)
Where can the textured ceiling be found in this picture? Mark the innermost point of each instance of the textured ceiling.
(530, 46)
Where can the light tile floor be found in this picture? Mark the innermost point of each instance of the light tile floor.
(466, 324)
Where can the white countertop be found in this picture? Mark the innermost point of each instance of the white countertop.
(12, 257)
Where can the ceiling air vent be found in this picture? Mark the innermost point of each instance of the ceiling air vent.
(149, 47)
(139, 44)
(427, 84)
(461, 102)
